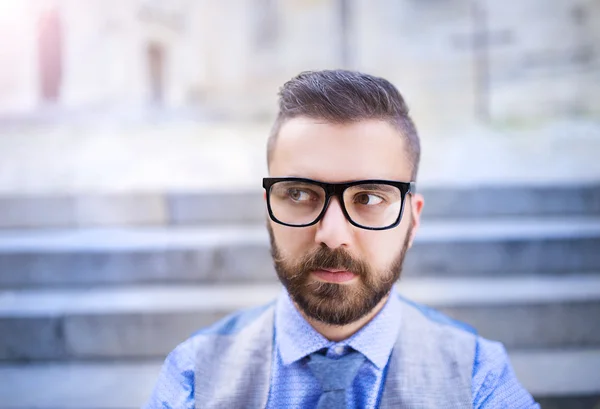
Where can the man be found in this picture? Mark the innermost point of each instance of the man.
(343, 210)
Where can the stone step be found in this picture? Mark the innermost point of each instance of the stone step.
(557, 379)
(247, 206)
(149, 321)
(228, 254)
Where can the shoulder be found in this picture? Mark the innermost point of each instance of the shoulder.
(436, 338)
(203, 341)
(421, 318)
(234, 323)
(491, 361)
(428, 335)
(230, 325)
(177, 376)
(495, 384)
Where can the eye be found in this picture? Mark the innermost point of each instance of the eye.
(298, 195)
(367, 199)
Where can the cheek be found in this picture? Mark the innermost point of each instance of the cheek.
(293, 241)
(382, 247)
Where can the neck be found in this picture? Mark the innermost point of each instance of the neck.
(338, 333)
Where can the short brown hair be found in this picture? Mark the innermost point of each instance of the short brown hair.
(340, 96)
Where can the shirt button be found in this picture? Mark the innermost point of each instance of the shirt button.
(339, 350)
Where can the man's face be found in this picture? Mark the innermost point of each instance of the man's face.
(336, 272)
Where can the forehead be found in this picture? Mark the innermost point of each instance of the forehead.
(315, 149)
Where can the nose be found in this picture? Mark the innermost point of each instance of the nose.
(333, 229)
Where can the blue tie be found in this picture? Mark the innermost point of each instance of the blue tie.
(335, 376)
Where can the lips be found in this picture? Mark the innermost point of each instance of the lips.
(334, 275)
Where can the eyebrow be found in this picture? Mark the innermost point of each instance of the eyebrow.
(299, 183)
(377, 186)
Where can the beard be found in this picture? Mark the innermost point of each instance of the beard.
(332, 303)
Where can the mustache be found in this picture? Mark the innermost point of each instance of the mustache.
(336, 259)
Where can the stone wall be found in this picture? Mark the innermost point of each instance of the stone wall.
(455, 61)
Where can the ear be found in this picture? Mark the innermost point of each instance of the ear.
(416, 206)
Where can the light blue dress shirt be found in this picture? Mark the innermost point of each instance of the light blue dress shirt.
(494, 385)
(293, 384)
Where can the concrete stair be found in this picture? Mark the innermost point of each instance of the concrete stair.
(247, 206)
(95, 290)
(147, 322)
(229, 254)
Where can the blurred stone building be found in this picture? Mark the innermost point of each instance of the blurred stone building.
(454, 60)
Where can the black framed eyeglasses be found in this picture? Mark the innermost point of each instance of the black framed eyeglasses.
(369, 204)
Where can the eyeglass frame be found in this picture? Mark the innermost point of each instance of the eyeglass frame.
(337, 190)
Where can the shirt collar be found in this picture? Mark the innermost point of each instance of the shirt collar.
(296, 338)
(377, 339)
